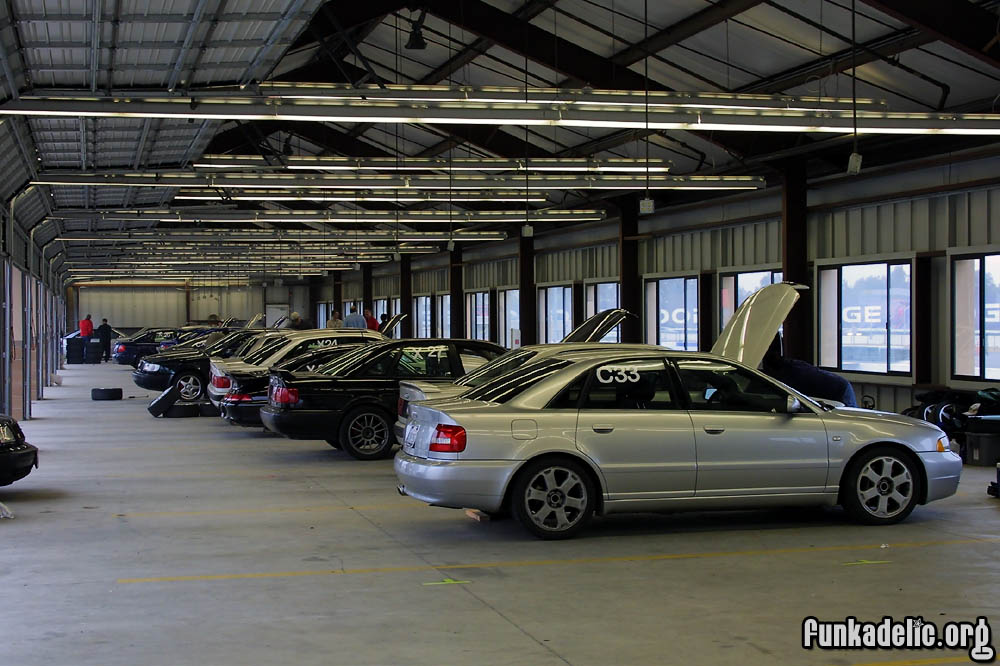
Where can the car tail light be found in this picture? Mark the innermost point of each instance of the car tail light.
(284, 396)
(218, 381)
(120, 349)
(448, 439)
(232, 396)
(401, 407)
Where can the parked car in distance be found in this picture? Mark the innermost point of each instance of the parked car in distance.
(115, 334)
(191, 333)
(17, 457)
(188, 364)
(350, 401)
(585, 336)
(130, 350)
(248, 390)
(283, 345)
(633, 430)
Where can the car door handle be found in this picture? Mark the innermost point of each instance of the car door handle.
(603, 427)
(714, 430)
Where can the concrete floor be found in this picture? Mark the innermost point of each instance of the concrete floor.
(188, 541)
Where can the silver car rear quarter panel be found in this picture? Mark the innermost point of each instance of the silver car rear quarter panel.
(477, 484)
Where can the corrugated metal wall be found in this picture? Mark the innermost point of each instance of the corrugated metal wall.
(712, 249)
(241, 303)
(135, 306)
(498, 273)
(385, 286)
(430, 282)
(582, 263)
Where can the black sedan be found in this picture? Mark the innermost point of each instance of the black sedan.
(17, 457)
(131, 350)
(188, 366)
(350, 401)
(248, 391)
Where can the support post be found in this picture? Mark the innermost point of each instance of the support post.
(706, 311)
(338, 293)
(798, 334)
(923, 325)
(367, 299)
(628, 267)
(527, 290)
(406, 296)
(455, 286)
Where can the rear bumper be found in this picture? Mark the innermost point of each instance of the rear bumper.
(300, 423)
(153, 381)
(457, 484)
(242, 413)
(215, 395)
(943, 473)
(17, 462)
(124, 358)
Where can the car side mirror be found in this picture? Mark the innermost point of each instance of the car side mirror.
(793, 405)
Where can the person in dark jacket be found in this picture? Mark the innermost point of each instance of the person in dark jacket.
(104, 335)
(806, 377)
(298, 323)
(381, 324)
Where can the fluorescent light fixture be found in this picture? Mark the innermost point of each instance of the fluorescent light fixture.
(251, 184)
(457, 164)
(382, 197)
(222, 215)
(729, 117)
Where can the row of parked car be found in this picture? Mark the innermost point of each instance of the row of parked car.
(553, 434)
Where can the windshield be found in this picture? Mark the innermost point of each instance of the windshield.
(269, 346)
(222, 344)
(501, 365)
(505, 387)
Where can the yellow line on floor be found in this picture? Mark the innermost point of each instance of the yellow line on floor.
(541, 563)
(957, 659)
(288, 509)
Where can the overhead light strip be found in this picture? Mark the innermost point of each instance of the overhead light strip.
(458, 164)
(333, 216)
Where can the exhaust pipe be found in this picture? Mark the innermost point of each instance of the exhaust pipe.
(400, 489)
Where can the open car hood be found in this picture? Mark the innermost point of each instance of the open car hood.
(597, 326)
(392, 324)
(755, 323)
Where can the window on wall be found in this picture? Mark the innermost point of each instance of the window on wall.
(600, 297)
(422, 316)
(477, 315)
(864, 317)
(347, 308)
(735, 287)
(443, 304)
(672, 313)
(321, 314)
(975, 299)
(555, 313)
(509, 312)
(381, 308)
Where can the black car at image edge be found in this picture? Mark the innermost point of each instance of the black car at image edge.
(17, 457)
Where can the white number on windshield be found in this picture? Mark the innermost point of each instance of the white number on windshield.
(617, 374)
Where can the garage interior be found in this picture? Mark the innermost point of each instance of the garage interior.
(498, 170)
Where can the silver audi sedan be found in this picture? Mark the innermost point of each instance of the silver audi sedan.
(618, 430)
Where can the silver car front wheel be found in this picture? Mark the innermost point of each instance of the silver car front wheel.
(882, 487)
(553, 499)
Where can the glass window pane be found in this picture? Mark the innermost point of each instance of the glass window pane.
(991, 316)
(899, 318)
(829, 288)
(673, 313)
(607, 299)
(634, 384)
(558, 313)
(727, 299)
(716, 386)
(965, 296)
(747, 283)
(510, 315)
(863, 290)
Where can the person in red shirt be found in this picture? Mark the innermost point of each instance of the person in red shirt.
(86, 333)
(86, 328)
(370, 320)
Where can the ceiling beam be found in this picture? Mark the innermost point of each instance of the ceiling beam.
(958, 23)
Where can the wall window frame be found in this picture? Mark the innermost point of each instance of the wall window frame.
(984, 305)
(508, 316)
(829, 277)
(598, 297)
(477, 314)
(423, 317)
(442, 322)
(555, 300)
(653, 295)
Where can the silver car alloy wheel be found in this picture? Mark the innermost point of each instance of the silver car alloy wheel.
(885, 486)
(189, 387)
(368, 433)
(555, 498)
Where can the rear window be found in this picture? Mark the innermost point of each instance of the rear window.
(351, 360)
(269, 347)
(501, 365)
(505, 387)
